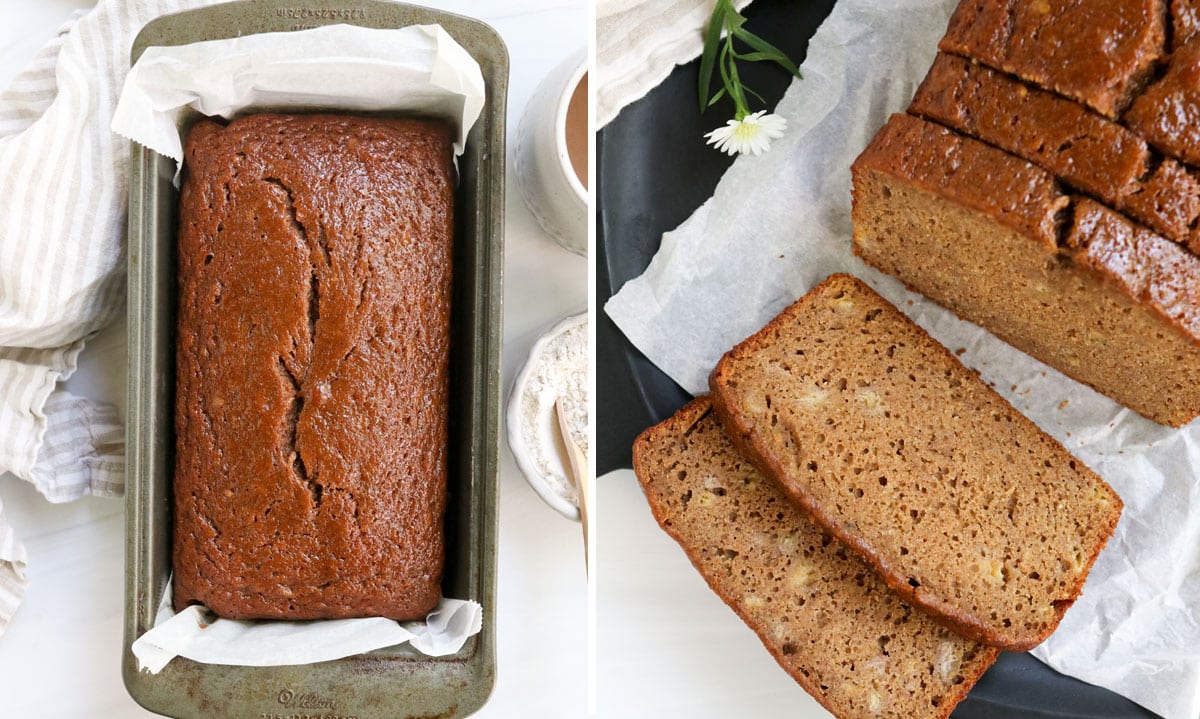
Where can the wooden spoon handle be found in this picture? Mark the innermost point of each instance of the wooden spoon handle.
(580, 473)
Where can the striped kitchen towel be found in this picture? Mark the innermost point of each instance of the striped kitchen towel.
(63, 190)
(639, 42)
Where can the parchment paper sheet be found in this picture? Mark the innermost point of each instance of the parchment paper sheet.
(779, 223)
(417, 69)
(199, 635)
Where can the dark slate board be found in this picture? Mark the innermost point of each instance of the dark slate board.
(654, 170)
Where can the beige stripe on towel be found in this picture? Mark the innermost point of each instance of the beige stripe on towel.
(63, 194)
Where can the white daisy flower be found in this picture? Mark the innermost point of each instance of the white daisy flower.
(752, 134)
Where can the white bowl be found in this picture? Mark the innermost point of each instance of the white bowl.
(532, 424)
(549, 185)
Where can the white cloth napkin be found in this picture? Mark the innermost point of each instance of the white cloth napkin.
(737, 261)
(639, 42)
(62, 260)
(12, 571)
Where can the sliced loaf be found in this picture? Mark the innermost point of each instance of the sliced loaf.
(1098, 52)
(961, 504)
(817, 608)
(1087, 150)
(995, 239)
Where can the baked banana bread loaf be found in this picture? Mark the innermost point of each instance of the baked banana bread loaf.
(1094, 102)
(962, 505)
(995, 239)
(1086, 150)
(312, 379)
(820, 611)
(1098, 52)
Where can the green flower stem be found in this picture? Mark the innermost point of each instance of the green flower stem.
(735, 83)
(724, 27)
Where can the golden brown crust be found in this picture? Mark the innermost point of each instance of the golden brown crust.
(1086, 150)
(1098, 52)
(1168, 112)
(1185, 16)
(1152, 270)
(312, 366)
(1083, 147)
(752, 435)
(1016, 193)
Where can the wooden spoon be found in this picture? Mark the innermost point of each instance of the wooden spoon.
(580, 473)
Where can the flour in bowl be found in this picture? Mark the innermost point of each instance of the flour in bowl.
(557, 369)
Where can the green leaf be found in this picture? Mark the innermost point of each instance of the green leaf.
(760, 56)
(765, 47)
(712, 41)
(724, 27)
(734, 19)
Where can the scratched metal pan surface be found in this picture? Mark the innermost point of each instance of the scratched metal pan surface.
(395, 682)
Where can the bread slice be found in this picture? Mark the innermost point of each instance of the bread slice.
(1098, 52)
(961, 504)
(817, 608)
(996, 240)
(1168, 112)
(1087, 150)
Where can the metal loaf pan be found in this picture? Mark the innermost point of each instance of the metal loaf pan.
(394, 682)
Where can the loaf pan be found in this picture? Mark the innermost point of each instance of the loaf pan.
(389, 683)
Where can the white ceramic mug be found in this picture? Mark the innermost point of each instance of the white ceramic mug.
(549, 183)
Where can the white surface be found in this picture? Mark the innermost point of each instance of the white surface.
(60, 657)
(734, 264)
(670, 645)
